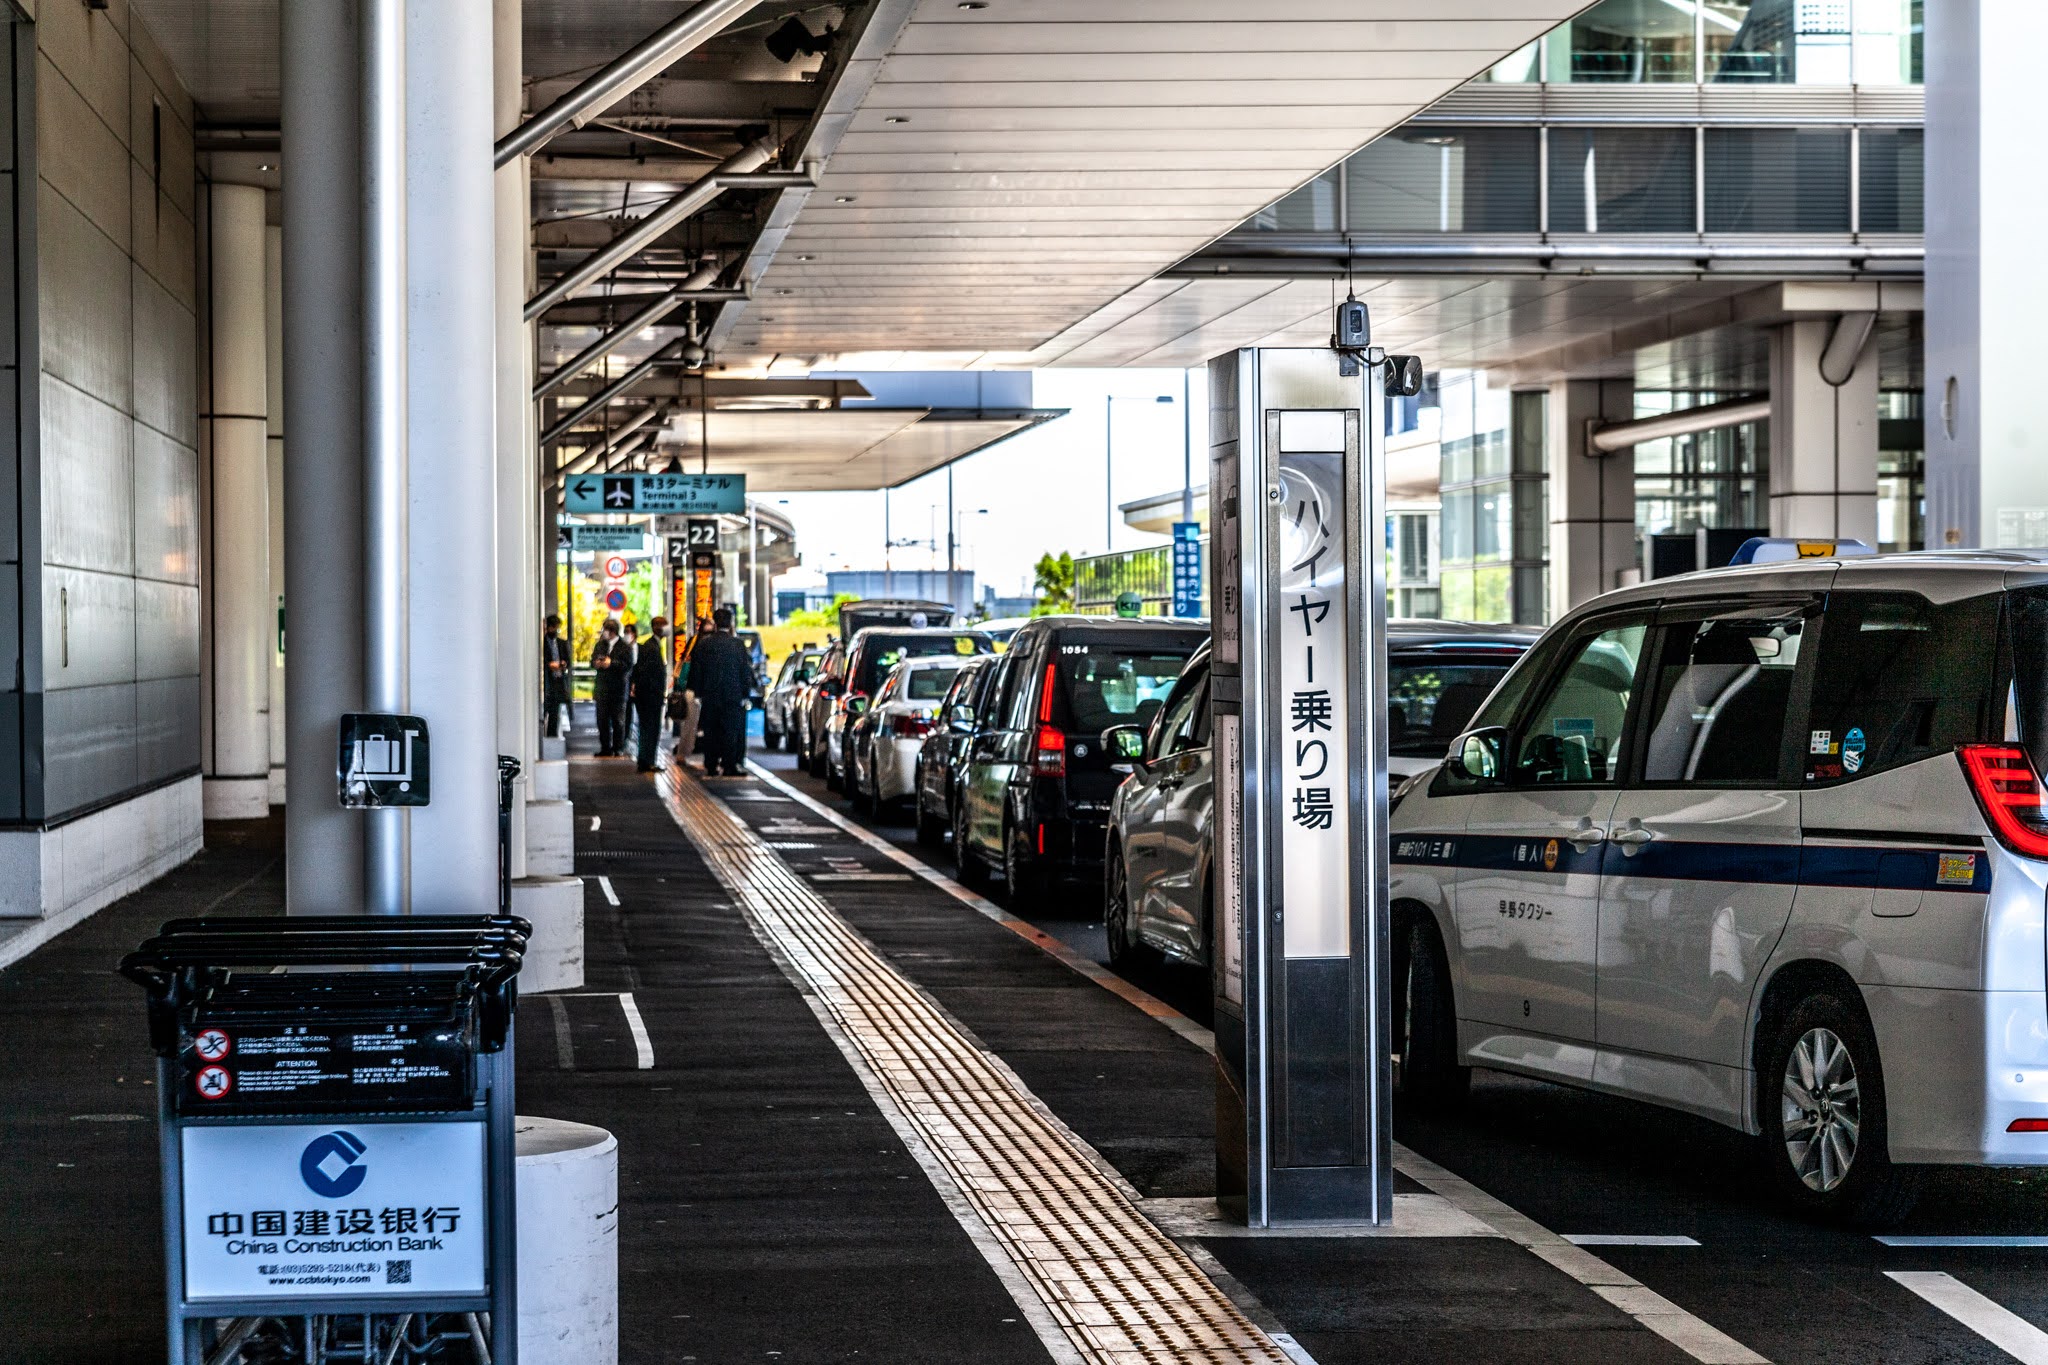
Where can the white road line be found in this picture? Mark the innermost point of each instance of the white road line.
(596, 823)
(1627, 1239)
(2006, 1330)
(604, 884)
(1963, 1241)
(1693, 1335)
(643, 1046)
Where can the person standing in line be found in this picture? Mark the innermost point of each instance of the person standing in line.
(649, 686)
(632, 638)
(609, 663)
(684, 706)
(554, 674)
(722, 675)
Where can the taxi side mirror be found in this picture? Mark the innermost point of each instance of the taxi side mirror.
(1478, 754)
(961, 715)
(856, 706)
(1125, 742)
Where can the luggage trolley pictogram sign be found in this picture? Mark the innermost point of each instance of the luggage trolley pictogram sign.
(383, 761)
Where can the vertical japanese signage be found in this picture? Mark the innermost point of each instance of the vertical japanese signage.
(1313, 660)
(1187, 569)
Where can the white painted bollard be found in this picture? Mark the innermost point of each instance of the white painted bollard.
(568, 1243)
(554, 953)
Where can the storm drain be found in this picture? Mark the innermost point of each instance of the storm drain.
(1116, 1287)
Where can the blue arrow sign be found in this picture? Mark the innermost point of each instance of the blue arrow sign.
(658, 494)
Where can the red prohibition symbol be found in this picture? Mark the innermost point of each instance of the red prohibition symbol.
(213, 1082)
(211, 1044)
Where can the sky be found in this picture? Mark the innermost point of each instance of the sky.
(1039, 491)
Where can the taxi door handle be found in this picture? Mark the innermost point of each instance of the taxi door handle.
(1635, 836)
(1585, 836)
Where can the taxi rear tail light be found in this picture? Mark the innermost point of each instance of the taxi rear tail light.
(2027, 1126)
(1049, 757)
(910, 727)
(2011, 795)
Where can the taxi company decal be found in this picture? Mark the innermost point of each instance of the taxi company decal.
(1550, 856)
(1821, 742)
(1956, 869)
(1852, 750)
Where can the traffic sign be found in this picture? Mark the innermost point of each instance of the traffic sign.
(616, 599)
(656, 493)
(615, 567)
(383, 761)
(605, 539)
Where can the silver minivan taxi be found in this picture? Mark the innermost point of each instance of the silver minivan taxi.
(1766, 845)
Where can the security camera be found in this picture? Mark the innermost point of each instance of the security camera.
(693, 355)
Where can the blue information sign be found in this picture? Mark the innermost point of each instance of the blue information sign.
(608, 538)
(1187, 568)
(661, 494)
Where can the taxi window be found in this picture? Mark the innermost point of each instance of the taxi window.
(929, 684)
(1111, 682)
(1898, 679)
(1574, 732)
(1722, 694)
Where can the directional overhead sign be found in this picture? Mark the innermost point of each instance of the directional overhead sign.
(656, 493)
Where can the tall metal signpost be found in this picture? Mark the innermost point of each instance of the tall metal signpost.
(1298, 600)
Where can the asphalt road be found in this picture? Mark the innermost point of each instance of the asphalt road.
(1681, 1204)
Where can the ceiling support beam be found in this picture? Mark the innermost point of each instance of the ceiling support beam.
(640, 64)
(654, 413)
(603, 398)
(698, 280)
(1605, 440)
(737, 171)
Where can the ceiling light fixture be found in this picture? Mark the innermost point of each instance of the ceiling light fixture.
(972, 4)
(842, 199)
(895, 118)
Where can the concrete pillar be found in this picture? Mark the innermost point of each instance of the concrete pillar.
(518, 663)
(452, 560)
(1986, 407)
(236, 567)
(323, 490)
(1824, 429)
(273, 373)
(1592, 497)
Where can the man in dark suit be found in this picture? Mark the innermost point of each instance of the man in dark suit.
(722, 676)
(649, 687)
(610, 662)
(554, 674)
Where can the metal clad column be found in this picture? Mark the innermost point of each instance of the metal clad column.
(237, 564)
(273, 374)
(518, 661)
(1823, 437)
(1299, 691)
(452, 562)
(323, 488)
(1987, 440)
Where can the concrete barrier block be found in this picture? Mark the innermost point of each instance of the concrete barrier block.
(551, 780)
(554, 747)
(554, 955)
(568, 1196)
(550, 838)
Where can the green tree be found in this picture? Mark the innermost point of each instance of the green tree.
(821, 618)
(1054, 582)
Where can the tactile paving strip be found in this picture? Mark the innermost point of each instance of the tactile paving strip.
(1118, 1287)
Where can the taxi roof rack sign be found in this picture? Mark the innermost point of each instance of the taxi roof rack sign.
(1784, 549)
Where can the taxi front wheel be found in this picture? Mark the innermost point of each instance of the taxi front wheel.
(1821, 1099)
(1425, 1019)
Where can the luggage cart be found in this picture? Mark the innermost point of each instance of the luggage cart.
(335, 1098)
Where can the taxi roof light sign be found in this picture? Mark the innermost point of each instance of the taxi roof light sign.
(1784, 549)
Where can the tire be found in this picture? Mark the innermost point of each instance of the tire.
(835, 779)
(863, 803)
(771, 737)
(1820, 1096)
(1426, 1019)
(973, 871)
(931, 831)
(1023, 883)
(1127, 951)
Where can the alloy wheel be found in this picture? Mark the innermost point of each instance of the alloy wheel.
(1822, 1110)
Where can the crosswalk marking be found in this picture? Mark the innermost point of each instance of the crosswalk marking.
(1963, 1241)
(2003, 1328)
(1628, 1239)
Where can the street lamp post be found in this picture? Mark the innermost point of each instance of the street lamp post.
(1108, 476)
